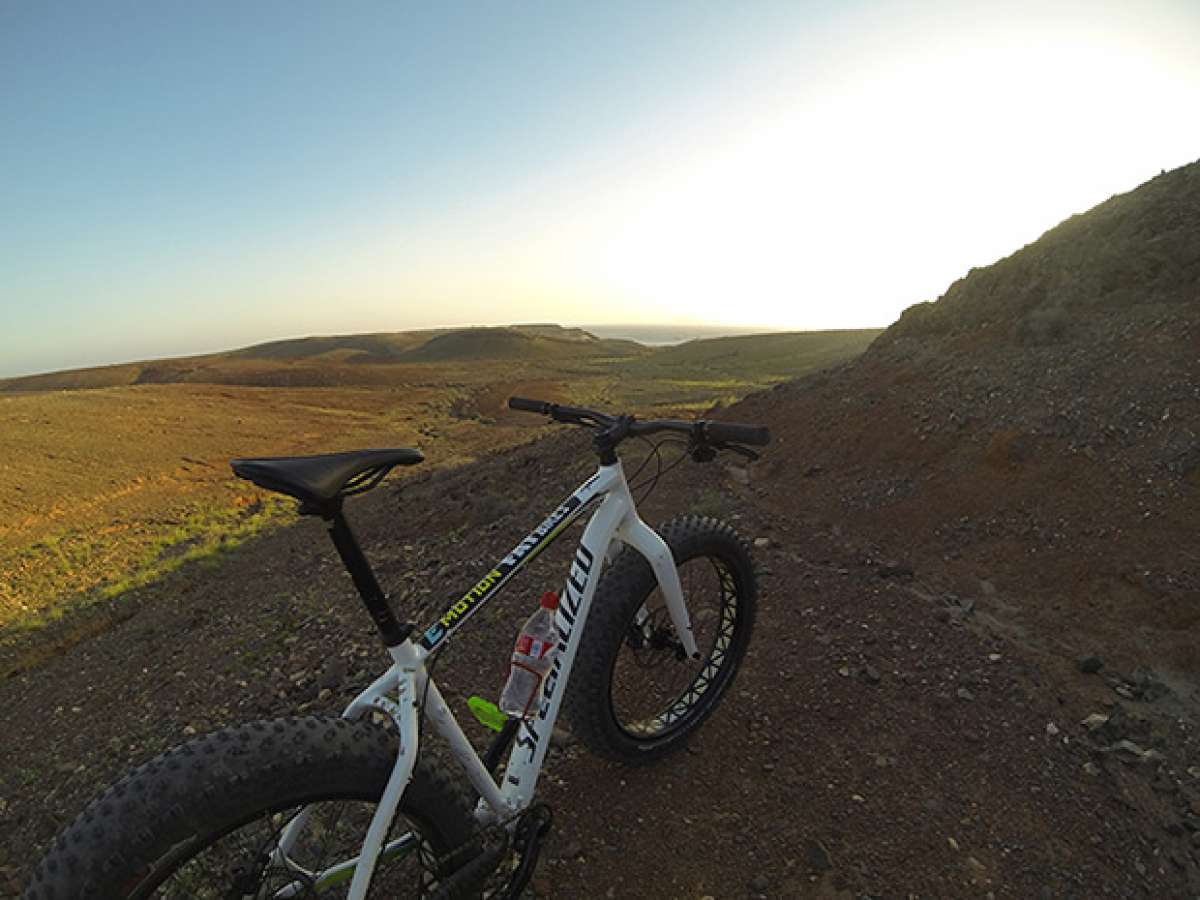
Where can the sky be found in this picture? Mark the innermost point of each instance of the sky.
(180, 177)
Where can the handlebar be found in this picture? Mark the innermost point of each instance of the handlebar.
(616, 428)
(728, 432)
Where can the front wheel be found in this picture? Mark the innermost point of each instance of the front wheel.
(205, 820)
(634, 693)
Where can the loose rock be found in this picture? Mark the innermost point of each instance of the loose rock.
(817, 857)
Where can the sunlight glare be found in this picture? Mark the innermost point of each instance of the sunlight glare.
(882, 193)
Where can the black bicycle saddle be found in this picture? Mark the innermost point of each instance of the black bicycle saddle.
(318, 480)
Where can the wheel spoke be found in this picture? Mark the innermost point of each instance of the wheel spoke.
(246, 862)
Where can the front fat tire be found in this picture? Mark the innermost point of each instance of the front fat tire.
(210, 786)
(625, 586)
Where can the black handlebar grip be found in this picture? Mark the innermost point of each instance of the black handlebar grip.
(729, 433)
(533, 406)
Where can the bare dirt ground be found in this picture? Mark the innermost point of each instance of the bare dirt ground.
(883, 739)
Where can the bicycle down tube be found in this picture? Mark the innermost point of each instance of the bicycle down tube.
(615, 518)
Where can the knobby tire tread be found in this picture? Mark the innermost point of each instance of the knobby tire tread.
(222, 778)
(624, 585)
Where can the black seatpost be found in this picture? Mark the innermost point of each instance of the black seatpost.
(390, 629)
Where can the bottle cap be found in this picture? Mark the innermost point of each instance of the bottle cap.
(550, 600)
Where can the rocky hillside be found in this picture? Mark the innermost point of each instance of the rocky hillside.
(1038, 428)
(1025, 451)
(1136, 256)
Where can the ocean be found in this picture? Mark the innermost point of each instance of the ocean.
(662, 335)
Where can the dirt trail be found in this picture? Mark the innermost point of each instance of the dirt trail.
(878, 742)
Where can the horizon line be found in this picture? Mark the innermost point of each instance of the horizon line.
(728, 331)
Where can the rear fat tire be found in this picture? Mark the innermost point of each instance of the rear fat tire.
(216, 783)
(624, 587)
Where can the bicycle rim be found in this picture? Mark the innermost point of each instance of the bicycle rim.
(655, 687)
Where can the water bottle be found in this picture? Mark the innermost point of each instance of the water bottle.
(531, 660)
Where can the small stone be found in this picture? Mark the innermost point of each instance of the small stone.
(761, 542)
(1127, 749)
(189, 730)
(1091, 768)
(1147, 685)
(333, 674)
(1094, 721)
(964, 694)
(1051, 729)
(844, 671)
(817, 857)
(869, 674)
(1090, 665)
(953, 843)
(994, 657)
(760, 883)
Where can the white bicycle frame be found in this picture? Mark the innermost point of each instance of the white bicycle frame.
(406, 686)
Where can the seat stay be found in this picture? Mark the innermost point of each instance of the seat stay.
(403, 693)
(408, 671)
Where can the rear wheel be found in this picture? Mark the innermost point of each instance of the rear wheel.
(204, 820)
(634, 693)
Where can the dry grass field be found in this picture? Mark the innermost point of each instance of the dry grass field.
(111, 477)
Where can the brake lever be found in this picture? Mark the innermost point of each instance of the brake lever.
(706, 451)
